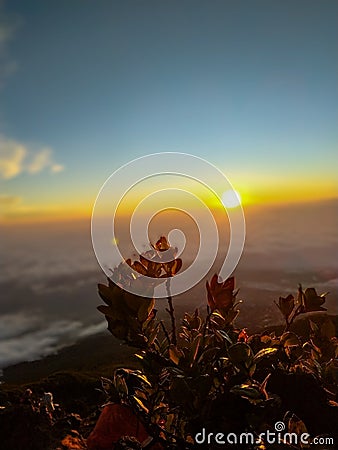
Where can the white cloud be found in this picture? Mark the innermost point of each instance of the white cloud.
(16, 158)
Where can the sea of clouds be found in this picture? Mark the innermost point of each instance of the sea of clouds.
(49, 273)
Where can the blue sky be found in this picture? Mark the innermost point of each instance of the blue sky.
(249, 85)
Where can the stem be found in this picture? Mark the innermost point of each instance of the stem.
(165, 331)
(171, 312)
(293, 315)
(207, 319)
(287, 325)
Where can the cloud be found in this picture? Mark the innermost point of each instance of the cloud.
(93, 329)
(16, 158)
(12, 155)
(56, 168)
(40, 161)
(25, 338)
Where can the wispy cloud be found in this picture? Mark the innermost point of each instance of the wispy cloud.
(43, 160)
(12, 155)
(16, 158)
(56, 168)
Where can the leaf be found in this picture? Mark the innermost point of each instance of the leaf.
(180, 391)
(208, 354)
(290, 339)
(153, 334)
(217, 319)
(194, 349)
(108, 311)
(175, 354)
(241, 355)
(265, 339)
(314, 327)
(106, 384)
(121, 385)
(264, 353)
(134, 302)
(138, 267)
(264, 384)
(225, 336)
(142, 377)
(313, 301)
(192, 322)
(145, 309)
(141, 404)
(117, 328)
(296, 425)
(109, 294)
(328, 329)
(172, 267)
(154, 269)
(162, 244)
(247, 391)
(286, 305)
(116, 324)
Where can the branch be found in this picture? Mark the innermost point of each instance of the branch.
(171, 312)
(165, 331)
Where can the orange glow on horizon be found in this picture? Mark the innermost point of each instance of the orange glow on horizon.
(252, 190)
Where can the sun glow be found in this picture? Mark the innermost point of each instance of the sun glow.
(231, 199)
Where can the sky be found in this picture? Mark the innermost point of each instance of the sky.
(87, 86)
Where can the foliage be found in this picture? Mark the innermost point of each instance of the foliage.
(210, 374)
(307, 301)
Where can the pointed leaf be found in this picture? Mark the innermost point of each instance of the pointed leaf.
(175, 354)
(264, 353)
(141, 404)
(194, 349)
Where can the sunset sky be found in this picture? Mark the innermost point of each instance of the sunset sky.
(87, 86)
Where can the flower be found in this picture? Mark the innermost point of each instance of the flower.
(221, 295)
(286, 305)
(162, 244)
(154, 263)
(243, 336)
